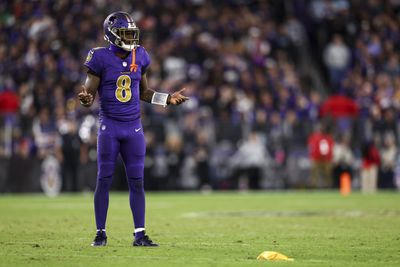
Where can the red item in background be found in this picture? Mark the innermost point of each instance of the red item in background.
(320, 146)
(372, 158)
(9, 102)
(339, 106)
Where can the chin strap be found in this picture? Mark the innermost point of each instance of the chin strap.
(133, 66)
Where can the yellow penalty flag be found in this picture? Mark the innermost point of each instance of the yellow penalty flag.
(273, 256)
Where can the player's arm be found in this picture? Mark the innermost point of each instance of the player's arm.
(89, 89)
(153, 97)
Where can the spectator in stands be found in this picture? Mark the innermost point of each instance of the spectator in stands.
(343, 159)
(248, 162)
(47, 139)
(70, 148)
(320, 146)
(201, 156)
(388, 162)
(174, 157)
(337, 59)
(370, 165)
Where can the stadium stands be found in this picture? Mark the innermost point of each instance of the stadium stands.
(250, 67)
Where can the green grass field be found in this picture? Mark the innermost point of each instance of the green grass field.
(219, 229)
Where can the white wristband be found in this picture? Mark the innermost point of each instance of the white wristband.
(159, 99)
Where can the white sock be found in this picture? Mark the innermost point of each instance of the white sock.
(137, 230)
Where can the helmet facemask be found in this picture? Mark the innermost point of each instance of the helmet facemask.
(120, 30)
(126, 38)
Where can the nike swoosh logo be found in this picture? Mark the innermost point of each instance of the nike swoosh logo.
(137, 130)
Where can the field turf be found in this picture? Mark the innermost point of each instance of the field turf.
(218, 229)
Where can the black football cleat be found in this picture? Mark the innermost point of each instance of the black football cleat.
(144, 241)
(100, 240)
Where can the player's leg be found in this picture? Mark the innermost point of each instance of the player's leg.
(364, 179)
(374, 179)
(314, 174)
(133, 150)
(107, 152)
(327, 172)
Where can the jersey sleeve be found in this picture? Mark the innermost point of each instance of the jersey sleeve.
(93, 62)
(146, 61)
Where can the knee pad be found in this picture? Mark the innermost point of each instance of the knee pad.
(103, 184)
(135, 171)
(106, 169)
(136, 184)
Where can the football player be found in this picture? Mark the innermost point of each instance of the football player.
(118, 74)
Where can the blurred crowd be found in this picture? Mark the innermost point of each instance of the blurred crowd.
(358, 43)
(253, 103)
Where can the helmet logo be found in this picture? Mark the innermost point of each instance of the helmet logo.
(111, 20)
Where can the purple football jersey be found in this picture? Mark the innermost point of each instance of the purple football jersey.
(119, 87)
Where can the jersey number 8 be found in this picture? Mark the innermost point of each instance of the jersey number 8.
(123, 92)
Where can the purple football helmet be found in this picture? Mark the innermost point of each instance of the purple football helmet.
(121, 30)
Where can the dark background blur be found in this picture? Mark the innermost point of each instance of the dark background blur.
(284, 94)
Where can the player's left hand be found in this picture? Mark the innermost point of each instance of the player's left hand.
(177, 98)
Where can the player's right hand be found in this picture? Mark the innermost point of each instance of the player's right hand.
(85, 98)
